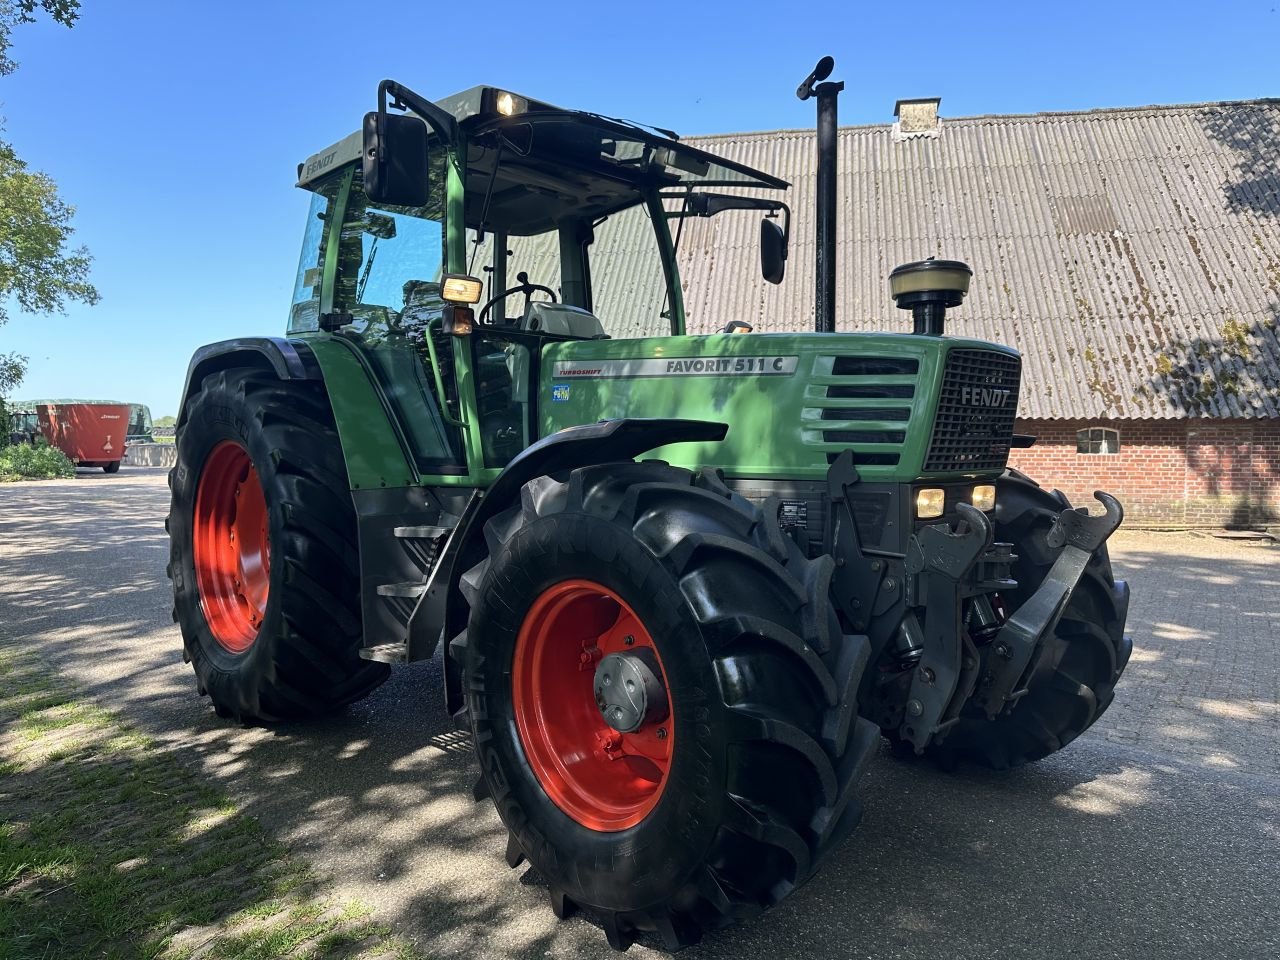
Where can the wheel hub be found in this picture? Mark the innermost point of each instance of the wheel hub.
(628, 691)
(591, 705)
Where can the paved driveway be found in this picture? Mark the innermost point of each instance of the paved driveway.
(1157, 834)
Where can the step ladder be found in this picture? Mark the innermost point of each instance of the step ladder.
(423, 543)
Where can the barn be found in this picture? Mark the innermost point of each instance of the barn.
(1132, 255)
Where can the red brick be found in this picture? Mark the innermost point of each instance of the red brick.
(1186, 473)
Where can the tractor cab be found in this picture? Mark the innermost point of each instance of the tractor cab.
(558, 223)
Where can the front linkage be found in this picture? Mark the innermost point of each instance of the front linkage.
(948, 603)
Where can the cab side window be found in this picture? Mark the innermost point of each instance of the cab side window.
(387, 291)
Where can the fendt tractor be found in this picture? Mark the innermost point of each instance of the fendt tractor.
(682, 585)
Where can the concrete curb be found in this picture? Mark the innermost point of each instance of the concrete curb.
(151, 455)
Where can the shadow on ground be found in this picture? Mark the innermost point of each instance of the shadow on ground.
(1113, 847)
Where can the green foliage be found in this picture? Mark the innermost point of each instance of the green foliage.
(15, 12)
(12, 367)
(25, 462)
(37, 267)
(166, 422)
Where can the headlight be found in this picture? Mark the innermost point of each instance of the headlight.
(930, 503)
(984, 497)
(456, 288)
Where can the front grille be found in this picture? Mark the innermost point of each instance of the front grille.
(863, 413)
(974, 424)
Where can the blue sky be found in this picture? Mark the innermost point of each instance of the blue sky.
(175, 128)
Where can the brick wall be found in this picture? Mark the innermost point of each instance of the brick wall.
(1185, 473)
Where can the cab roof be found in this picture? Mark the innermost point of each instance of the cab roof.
(616, 149)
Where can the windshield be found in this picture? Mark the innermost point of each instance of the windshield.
(612, 270)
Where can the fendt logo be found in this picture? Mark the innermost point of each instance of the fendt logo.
(984, 396)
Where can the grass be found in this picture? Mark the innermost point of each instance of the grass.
(109, 848)
(23, 461)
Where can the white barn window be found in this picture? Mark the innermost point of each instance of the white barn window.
(1098, 440)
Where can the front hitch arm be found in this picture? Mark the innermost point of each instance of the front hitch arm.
(1016, 647)
(938, 560)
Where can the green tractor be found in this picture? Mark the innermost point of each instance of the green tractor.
(683, 585)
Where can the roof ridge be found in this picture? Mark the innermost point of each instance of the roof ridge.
(1092, 112)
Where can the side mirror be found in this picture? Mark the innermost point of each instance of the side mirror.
(396, 171)
(773, 251)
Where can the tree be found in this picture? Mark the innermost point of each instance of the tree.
(37, 266)
(15, 12)
(166, 422)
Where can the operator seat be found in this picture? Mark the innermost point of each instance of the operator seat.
(561, 319)
(541, 316)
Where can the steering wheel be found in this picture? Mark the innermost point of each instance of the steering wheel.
(525, 287)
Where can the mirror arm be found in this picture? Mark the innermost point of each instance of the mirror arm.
(710, 204)
(403, 98)
(786, 227)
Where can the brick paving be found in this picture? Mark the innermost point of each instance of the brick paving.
(1154, 835)
(1204, 680)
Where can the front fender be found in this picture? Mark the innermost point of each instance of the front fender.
(442, 611)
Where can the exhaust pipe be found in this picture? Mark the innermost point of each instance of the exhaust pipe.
(824, 320)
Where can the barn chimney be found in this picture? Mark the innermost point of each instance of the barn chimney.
(917, 118)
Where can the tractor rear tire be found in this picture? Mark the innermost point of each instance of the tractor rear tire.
(263, 551)
(1074, 680)
(730, 798)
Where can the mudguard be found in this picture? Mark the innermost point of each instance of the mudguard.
(288, 359)
(441, 611)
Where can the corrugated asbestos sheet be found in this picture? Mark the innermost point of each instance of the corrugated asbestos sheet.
(1132, 255)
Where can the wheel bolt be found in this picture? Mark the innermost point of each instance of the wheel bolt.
(662, 733)
(628, 639)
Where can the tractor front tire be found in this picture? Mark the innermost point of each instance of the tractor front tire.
(1074, 680)
(112, 467)
(740, 778)
(263, 551)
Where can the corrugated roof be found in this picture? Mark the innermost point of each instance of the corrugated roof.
(1132, 255)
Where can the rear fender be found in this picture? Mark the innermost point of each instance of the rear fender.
(375, 452)
(287, 359)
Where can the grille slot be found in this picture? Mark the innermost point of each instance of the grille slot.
(875, 366)
(866, 413)
(868, 459)
(864, 436)
(872, 391)
(976, 408)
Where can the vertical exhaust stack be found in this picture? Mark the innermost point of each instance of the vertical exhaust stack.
(825, 298)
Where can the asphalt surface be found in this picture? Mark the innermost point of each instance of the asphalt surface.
(1157, 834)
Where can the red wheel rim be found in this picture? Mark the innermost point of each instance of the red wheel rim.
(603, 779)
(232, 550)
